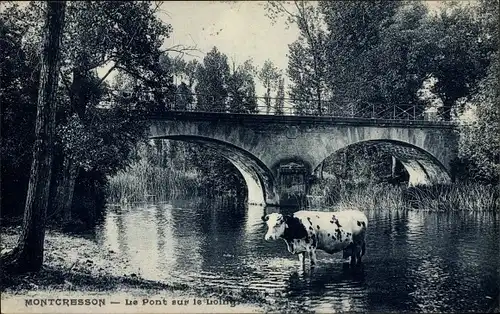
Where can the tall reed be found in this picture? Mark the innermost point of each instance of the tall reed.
(460, 196)
(454, 197)
(144, 182)
(371, 197)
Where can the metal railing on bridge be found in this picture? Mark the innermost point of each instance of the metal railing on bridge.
(183, 102)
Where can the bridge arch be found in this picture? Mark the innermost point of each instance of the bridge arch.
(423, 168)
(268, 140)
(258, 177)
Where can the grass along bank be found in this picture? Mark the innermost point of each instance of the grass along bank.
(452, 197)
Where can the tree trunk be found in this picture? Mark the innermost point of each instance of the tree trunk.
(79, 88)
(66, 185)
(393, 167)
(344, 164)
(28, 254)
(320, 105)
(267, 98)
(62, 199)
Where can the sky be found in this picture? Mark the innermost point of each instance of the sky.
(239, 29)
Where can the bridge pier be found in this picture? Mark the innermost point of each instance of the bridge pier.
(261, 190)
(293, 181)
(273, 200)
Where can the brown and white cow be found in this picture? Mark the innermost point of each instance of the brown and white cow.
(306, 231)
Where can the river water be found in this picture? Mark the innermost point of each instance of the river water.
(415, 261)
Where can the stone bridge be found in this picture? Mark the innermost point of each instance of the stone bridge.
(261, 146)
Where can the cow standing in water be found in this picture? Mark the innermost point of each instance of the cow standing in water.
(306, 231)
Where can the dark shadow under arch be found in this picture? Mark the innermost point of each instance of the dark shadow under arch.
(254, 171)
(422, 167)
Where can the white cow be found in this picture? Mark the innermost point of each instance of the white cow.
(306, 231)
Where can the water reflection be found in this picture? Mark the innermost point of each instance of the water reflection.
(253, 221)
(330, 288)
(415, 261)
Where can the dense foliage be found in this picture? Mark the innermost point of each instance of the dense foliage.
(91, 143)
(480, 141)
(18, 92)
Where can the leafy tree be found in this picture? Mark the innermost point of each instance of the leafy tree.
(402, 74)
(218, 175)
(459, 52)
(212, 78)
(300, 74)
(184, 97)
(269, 76)
(280, 97)
(221, 88)
(18, 91)
(241, 89)
(306, 67)
(28, 254)
(185, 70)
(480, 141)
(488, 17)
(353, 47)
(190, 71)
(127, 36)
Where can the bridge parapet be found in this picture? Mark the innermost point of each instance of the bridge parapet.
(266, 106)
(290, 120)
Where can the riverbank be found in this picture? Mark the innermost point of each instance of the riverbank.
(76, 268)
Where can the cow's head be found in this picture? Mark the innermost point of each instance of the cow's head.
(275, 226)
